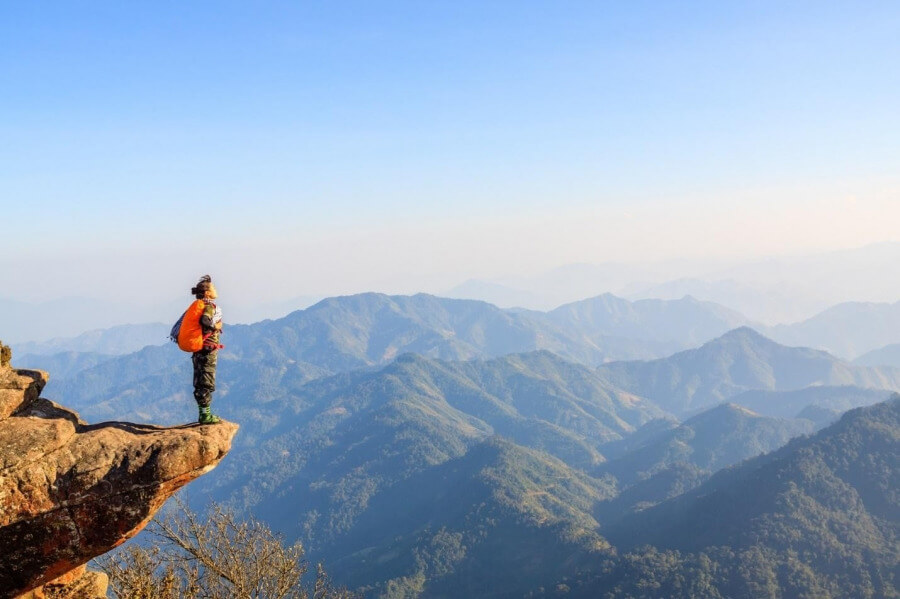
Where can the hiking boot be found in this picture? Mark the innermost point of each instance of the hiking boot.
(207, 417)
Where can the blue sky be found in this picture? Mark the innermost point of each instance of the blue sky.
(357, 145)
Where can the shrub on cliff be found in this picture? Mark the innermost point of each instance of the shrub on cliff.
(5, 354)
(212, 557)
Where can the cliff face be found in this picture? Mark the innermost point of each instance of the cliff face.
(70, 491)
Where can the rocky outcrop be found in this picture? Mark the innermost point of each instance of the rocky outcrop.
(19, 389)
(70, 491)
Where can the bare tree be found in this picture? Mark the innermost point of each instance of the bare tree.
(214, 557)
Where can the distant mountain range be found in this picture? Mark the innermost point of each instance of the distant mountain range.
(593, 330)
(759, 303)
(370, 330)
(408, 441)
(117, 340)
(770, 291)
(267, 359)
(573, 282)
(22, 323)
(65, 364)
(670, 324)
(499, 295)
(44, 327)
(739, 361)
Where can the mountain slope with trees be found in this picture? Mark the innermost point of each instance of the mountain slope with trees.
(333, 463)
(675, 460)
(416, 476)
(499, 521)
(818, 517)
(350, 431)
(712, 440)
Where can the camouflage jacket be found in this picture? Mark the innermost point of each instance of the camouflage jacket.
(212, 315)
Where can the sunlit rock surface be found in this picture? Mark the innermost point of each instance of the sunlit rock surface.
(70, 491)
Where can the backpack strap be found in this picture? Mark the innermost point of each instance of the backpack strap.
(208, 345)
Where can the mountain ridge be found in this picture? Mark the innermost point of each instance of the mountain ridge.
(738, 361)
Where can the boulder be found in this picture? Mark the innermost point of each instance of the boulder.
(18, 388)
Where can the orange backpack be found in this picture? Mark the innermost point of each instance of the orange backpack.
(190, 334)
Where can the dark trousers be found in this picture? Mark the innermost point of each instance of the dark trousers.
(204, 375)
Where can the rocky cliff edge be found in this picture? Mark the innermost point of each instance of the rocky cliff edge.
(70, 491)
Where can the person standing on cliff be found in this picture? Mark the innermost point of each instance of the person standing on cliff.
(205, 359)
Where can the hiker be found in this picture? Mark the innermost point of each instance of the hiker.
(199, 333)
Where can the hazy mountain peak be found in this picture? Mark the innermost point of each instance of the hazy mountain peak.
(740, 360)
(849, 329)
(725, 409)
(744, 333)
(747, 339)
(411, 358)
(723, 417)
(604, 300)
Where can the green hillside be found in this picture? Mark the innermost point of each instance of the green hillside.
(341, 439)
(817, 518)
(370, 329)
(499, 521)
(712, 440)
(676, 460)
(344, 462)
(418, 476)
